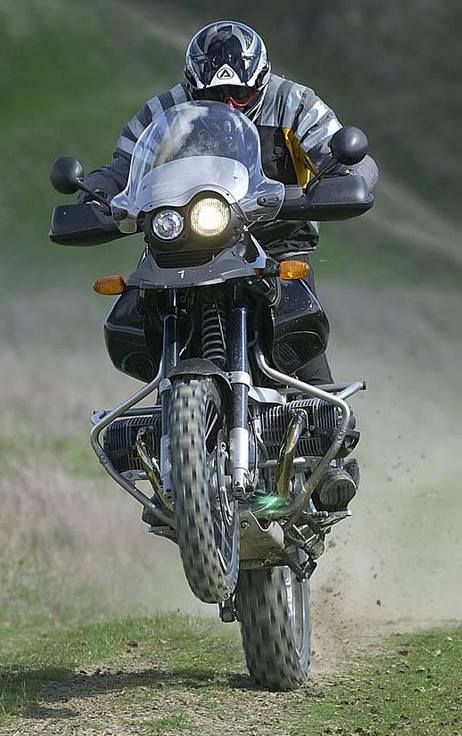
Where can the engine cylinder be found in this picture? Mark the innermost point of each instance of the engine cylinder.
(120, 440)
(322, 424)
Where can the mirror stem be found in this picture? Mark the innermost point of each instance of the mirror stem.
(97, 197)
(328, 167)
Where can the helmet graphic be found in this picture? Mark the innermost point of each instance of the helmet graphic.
(227, 61)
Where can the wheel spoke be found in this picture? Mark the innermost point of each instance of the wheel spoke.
(223, 514)
(211, 423)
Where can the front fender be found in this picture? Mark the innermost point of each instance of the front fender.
(200, 367)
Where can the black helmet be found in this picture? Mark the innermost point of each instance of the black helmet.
(227, 61)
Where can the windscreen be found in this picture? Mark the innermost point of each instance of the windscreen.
(193, 147)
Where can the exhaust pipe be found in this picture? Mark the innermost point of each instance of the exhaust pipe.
(151, 468)
(285, 464)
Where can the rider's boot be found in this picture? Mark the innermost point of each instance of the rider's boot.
(337, 488)
(148, 516)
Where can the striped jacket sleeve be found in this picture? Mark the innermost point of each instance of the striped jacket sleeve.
(313, 124)
(112, 179)
(135, 127)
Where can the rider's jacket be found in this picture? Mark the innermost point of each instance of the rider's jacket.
(294, 126)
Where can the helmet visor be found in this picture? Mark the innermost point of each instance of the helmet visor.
(226, 92)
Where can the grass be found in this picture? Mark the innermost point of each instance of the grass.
(38, 653)
(181, 675)
(413, 688)
(76, 81)
(74, 453)
(176, 721)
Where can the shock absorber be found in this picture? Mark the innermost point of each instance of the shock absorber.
(214, 333)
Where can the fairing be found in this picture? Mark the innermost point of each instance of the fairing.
(194, 147)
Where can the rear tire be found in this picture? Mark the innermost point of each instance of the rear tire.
(274, 612)
(207, 527)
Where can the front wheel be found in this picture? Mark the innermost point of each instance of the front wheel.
(207, 527)
(273, 608)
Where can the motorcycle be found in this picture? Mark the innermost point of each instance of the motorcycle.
(234, 446)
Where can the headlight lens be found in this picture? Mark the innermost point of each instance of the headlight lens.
(209, 216)
(168, 224)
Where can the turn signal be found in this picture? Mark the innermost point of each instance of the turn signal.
(289, 270)
(109, 285)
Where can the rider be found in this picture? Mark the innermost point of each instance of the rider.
(227, 62)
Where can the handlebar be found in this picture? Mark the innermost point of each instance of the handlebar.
(331, 198)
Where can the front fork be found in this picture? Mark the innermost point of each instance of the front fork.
(239, 377)
(170, 358)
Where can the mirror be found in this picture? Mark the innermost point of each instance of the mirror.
(66, 175)
(349, 145)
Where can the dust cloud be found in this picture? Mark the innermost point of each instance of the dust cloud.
(399, 559)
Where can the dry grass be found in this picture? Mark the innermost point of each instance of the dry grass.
(65, 526)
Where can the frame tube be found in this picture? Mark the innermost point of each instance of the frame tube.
(106, 463)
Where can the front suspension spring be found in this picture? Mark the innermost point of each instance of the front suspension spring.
(214, 334)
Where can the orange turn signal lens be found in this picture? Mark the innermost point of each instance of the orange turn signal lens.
(109, 285)
(289, 270)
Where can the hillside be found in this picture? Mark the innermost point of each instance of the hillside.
(69, 80)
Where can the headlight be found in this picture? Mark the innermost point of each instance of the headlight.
(168, 224)
(209, 216)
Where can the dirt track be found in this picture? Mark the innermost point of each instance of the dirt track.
(140, 695)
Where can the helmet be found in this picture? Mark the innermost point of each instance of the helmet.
(227, 61)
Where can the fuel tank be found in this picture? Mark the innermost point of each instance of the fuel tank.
(299, 327)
